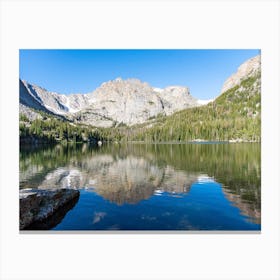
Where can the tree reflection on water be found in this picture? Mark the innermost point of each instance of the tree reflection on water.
(134, 172)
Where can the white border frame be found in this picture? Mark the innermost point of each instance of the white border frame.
(139, 24)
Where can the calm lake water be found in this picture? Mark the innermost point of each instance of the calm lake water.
(151, 187)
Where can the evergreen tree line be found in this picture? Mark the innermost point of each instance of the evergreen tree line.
(50, 129)
(236, 114)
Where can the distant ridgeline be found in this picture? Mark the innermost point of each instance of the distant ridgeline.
(133, 111)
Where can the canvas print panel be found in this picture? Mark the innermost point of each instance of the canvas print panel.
(140, 140)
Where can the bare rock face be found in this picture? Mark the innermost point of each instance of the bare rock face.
(132, 102)
(247, 69)
(56, 103)
(122, 102)
(175, 98)
(29, 98)
(116, 102)
(29, 113)
(38, 205)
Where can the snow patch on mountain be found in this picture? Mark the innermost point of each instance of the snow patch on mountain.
(204, 101)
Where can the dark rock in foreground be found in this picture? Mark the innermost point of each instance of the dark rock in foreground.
(54, 219)
(45, 207)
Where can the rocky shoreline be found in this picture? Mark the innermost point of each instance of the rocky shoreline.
(39, 207)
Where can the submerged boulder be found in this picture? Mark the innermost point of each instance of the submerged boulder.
(39, 205)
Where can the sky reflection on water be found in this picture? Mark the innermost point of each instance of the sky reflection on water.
(152, 187)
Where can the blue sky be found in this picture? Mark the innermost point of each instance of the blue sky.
(82, 71)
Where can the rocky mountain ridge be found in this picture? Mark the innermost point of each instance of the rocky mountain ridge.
(51, 101)
(246, 69)
(115, 102)
(122, 102)
(234, 116)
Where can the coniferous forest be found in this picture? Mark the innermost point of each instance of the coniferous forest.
(234, 115)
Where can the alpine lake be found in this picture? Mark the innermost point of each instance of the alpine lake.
(151, 187)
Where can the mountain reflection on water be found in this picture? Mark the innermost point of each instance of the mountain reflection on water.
(129, 174)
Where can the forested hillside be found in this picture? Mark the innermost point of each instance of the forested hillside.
(49, 129)
(236, 114)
